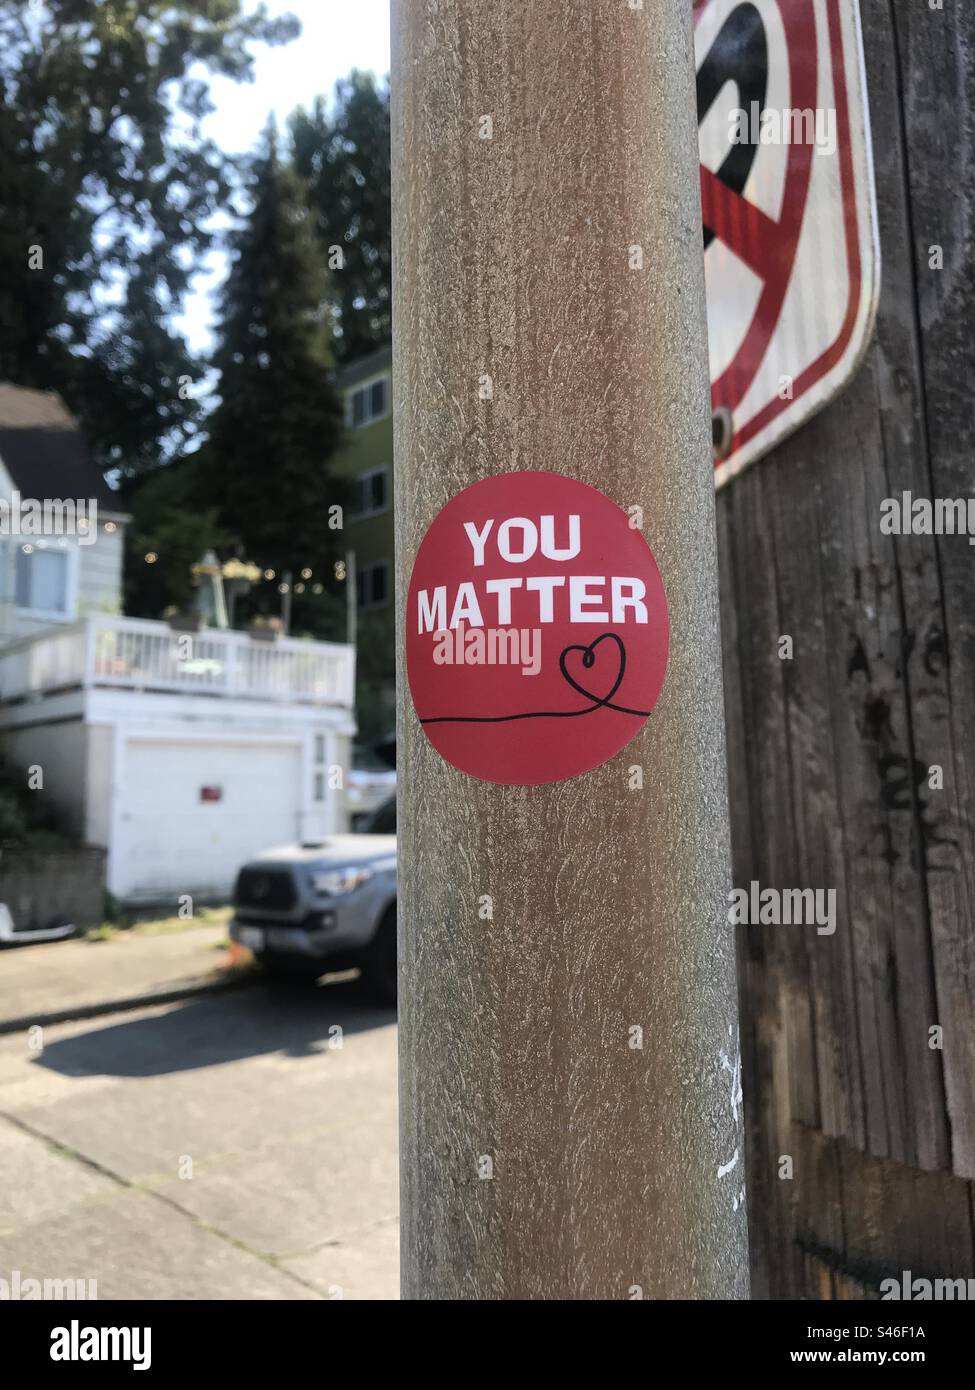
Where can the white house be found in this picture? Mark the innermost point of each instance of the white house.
(182, 754)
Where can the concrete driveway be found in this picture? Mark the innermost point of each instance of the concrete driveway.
(234, 1146)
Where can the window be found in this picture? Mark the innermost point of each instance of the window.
(370, 493)
(380, 583)
(372, 584)
(367, 403)
(43, 580)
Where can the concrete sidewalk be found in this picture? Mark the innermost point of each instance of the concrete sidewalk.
(238, 1145)
(64, 980)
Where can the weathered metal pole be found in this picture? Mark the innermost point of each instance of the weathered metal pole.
(570, 1105)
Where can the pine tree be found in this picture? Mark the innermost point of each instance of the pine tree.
(264, 470)
(107, 189)
(343, 155)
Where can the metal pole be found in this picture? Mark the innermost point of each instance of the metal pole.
(569, 1099)
(287, 588)
(351, 600)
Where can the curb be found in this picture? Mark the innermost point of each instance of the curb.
(238, 980)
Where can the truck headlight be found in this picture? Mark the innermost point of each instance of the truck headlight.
(333, 883)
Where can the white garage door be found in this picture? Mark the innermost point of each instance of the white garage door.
(192, 813)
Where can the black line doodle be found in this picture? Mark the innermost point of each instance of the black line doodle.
(598, 702)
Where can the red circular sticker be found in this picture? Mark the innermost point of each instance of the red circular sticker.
(536, 629)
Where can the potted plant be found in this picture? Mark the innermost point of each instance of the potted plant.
(266, 627)
(184, 619)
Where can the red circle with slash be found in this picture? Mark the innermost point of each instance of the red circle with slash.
(766, 245)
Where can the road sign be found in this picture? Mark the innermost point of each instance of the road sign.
(792, 258)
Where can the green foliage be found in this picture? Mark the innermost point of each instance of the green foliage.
(375, 677)
(260, 485)
(13, 825)
(168, 522)
(263, 470)
(343, 155)
(105, 174)
(104, 170)
(106, 932)
(27, 819)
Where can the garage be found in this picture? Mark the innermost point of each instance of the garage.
(189, 812)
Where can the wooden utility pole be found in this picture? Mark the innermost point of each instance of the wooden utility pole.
(570, 1106)
(853, 764)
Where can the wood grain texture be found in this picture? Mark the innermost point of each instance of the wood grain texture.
(610, 904)
(829, 755)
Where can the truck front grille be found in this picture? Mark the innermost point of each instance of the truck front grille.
(273, 889)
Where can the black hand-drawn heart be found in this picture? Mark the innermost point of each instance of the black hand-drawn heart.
(589, 660)
(597, 701)
(739, 54)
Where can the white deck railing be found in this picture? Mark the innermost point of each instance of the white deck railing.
(136, 654)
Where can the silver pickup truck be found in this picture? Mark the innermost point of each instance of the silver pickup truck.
(327, 905)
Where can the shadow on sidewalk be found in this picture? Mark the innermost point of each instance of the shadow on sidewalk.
(213, 1029)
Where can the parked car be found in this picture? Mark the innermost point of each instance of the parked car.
(366, 789)
(325, 905)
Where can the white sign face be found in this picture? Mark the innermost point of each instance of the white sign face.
(792, 258)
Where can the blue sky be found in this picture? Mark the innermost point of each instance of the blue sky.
(337, 35)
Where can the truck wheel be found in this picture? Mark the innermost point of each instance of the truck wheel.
(379, 961)
(283, 970)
